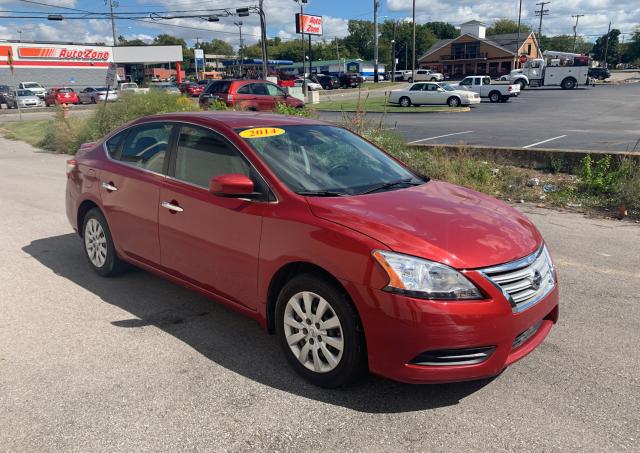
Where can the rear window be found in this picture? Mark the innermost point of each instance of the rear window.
(221, 86)
(32, 85)
(65, 90)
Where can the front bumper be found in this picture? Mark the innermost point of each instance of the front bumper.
(398, 329)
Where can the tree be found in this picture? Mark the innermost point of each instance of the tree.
(564, 43)
(217, 47)
(360, 38)
(122, 41)
(632, 49)
(168, 40)
(443, 30)
(608, 44)
(504, 26)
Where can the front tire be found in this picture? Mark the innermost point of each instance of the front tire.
(453, 102)
(523, 85)
(319, 331)
(98, 245)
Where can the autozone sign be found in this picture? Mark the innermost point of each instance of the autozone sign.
(309, 25)
(63, 53)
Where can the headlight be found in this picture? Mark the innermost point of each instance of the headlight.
(424, 279)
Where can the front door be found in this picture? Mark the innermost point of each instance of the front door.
(265, 100)
(130, 188)
(210, 241)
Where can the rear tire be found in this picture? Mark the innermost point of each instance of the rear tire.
(523, 85)
(568, 83)
(98, 245)
(405, 102)
(494, 96)
(327, 348)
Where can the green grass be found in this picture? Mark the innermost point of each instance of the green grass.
(379, 104)
(387, 84)
(31, 132)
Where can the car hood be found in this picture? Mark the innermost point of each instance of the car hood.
(437, 221)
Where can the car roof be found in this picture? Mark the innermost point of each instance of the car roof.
(235, 120)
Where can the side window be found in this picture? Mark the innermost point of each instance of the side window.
(477, 81)
(114, 143)
(432, 87)
(259, 89)
(246, 89)
(146, 146)
(202, 154)
(417, 87)
(274, 90)
(486, 81)
(466, 81)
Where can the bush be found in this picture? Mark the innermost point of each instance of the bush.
(286, 109)
(66, 135)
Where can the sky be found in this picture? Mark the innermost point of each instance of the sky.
(624, 15)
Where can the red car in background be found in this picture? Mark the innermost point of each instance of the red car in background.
(61, 95)
(191, 89)
(255, 95)
(352, 259)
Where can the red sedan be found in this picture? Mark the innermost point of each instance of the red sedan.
(191, 89)
(352, 259)
(63, 95)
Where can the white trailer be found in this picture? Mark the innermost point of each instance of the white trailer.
(566, 70)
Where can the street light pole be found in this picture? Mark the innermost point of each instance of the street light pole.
(240, 53)
(301, 25)
(413, 60)
(375, 41)
(263, 38)
(518, 36)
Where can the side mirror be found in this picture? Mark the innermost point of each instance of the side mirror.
(233, 185)
(440, 89)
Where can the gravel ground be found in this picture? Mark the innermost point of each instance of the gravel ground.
(136, 363)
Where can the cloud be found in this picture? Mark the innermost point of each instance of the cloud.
(624, 14)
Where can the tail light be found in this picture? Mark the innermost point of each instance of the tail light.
(72, 166)
(230, 97)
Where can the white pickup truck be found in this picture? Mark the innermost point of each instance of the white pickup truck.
(34, 87)
(567, 70)
(486, 88)
(130, 87)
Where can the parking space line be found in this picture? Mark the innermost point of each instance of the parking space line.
(544, 141)
(438, 136)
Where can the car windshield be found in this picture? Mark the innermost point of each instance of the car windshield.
(447, 87)
(24, 93)
(31, 85)
(319, 160)
(101, 89)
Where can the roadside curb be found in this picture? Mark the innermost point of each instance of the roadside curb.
(531, 157)
(45, 109)
(412, 112)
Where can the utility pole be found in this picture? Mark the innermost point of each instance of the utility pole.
(301, 26)
(413, 61)
(575, 31)
(543, 12)
(375, 41)
(606, 47)
(240, 52)
(337, 48)
(518, 36)
(393, 53)
(113, 4)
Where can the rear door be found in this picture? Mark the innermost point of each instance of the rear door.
(130, 188)
(245, 99)
(211, 241)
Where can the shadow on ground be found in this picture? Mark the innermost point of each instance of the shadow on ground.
(229, 339)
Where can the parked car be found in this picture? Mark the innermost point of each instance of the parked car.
(5, 90)
(191, 89)
(486, 88)
(421, 93)
(23, 99)
(247, 95)
(351, 258)
(34, 87)
(61, 95)
(131, 87)
(328, 82)
(424, 75)
(93, 95)
(350, 80)
(401, 76)
(168, 88)
(311, 85)
(599, 73)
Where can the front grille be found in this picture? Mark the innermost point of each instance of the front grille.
(524, 336)
(524, 282)
(469, 356)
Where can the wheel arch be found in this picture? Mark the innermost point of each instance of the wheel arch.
(456, 97)
(289, 271)
(86, 206)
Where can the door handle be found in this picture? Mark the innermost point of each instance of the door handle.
(109, 187)
(174, 208)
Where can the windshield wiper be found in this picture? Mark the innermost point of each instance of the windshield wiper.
(389, 185)
(320, 193)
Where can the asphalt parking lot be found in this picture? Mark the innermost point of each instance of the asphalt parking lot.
(594, 118)
(137, 363)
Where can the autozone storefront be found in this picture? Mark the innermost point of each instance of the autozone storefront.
(56, 64)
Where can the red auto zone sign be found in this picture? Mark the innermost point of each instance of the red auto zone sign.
(62, 53)
(309, 25)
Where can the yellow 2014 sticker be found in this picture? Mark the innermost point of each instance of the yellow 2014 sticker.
(261, 132)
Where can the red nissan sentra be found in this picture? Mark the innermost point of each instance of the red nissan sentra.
(353, 260)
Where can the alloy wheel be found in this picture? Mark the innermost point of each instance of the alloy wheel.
(313, 332)
(95, 242)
